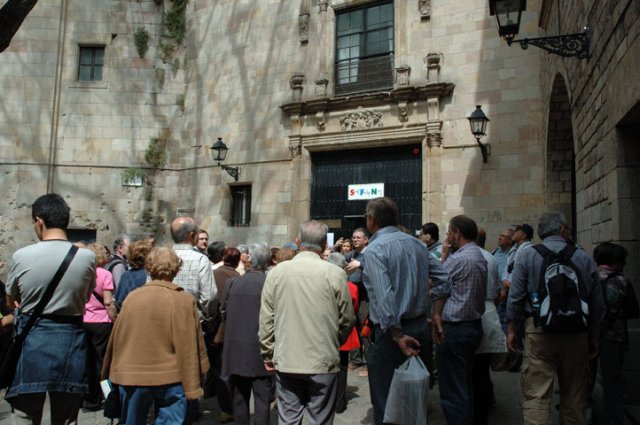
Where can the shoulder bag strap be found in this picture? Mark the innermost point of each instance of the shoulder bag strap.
(46, 297)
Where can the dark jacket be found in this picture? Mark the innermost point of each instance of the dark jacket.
(241, 349)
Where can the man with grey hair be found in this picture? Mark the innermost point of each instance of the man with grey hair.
(241, 361)
(305, 316)
(117, 263)
(547, 354)
(195, 275)
(396, 272)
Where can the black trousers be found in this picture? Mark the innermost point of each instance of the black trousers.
(241, 387)
(98, 337)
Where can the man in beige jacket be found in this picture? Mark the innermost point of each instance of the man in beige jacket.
(306, 314)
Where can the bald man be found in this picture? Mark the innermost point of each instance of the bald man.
(195, 275)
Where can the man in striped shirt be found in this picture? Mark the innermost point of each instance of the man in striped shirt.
(457, 327)
(397, 270)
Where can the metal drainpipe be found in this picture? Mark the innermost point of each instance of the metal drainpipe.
(55, 113)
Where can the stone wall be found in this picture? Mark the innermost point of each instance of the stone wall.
(231, 77)
(603, 93)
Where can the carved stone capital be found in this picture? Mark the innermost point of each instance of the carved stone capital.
(402, 75)
(403, 112)
(360, 119)
(295, 149)
(425, 9)
(432, 60)
(320, 121)
(434, 134)
(296, 82)
(321, 87)
(323, 6)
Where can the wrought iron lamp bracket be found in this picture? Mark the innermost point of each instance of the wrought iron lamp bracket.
(569, 45)
(233, 171)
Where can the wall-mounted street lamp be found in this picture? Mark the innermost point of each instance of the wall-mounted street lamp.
(219, 152)
(508, 13)
(478, 121)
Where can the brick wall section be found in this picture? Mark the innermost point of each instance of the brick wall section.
(601, 92)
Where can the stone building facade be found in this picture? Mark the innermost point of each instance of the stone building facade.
(123, 133)
(261, 75)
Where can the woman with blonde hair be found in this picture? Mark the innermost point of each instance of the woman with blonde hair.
(156, 353)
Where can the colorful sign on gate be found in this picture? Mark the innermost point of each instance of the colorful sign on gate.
(357, 192)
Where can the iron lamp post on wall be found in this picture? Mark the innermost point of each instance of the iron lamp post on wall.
(478, 121)
(219, 152)
(508, 13)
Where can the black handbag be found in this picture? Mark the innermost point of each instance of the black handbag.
(13, 350)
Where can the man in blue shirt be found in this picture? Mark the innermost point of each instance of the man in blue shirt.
(396, 275)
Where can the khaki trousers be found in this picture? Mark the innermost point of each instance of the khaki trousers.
(545, 356)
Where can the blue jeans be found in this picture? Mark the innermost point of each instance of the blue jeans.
(455, 370)
(54, 358)
(169, 400)
(384, 356)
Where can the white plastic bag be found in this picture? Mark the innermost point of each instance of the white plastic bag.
(407, 400)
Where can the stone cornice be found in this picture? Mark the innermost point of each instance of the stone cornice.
(341, 103)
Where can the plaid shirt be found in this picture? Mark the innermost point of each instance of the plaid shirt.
(195, 277)
(468, 270)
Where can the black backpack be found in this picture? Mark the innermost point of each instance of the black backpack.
(564, 308)
(114, 260)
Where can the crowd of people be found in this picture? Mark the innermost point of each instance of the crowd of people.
(164, 326)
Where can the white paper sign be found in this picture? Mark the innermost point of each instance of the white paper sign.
(358, 192)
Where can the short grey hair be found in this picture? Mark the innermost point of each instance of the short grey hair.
(550, 224)
(337, 259)
(313, 235)
(260, 255)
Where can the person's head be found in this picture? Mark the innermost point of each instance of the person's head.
(244, 256)
(312, 236)
(462, 230)
(231, 257)
(284, 254)
(121, 245)
(347, 246)
(551, 224)
(50, 211)
(260, 256)
(360, 239)
(215, 251)
(522, 233)
(481, 239)
(326, 253)
(610, 254)
(202, 240)
(162, 264)
(101, 253)
(381, 212)
(337, 259)
(184, 230)
(504, 239)
(138, 251)
(429, 233)
(151, 238)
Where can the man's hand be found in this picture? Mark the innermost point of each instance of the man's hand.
(594, 344)
(437, 333)
(352, 266)
(408, 345)
(268, 366)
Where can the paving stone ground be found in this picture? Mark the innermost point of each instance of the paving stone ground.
(359, 411)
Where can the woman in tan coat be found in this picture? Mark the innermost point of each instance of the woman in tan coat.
(156, 353)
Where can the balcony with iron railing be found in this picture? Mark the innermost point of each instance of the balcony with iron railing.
(364, 75)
